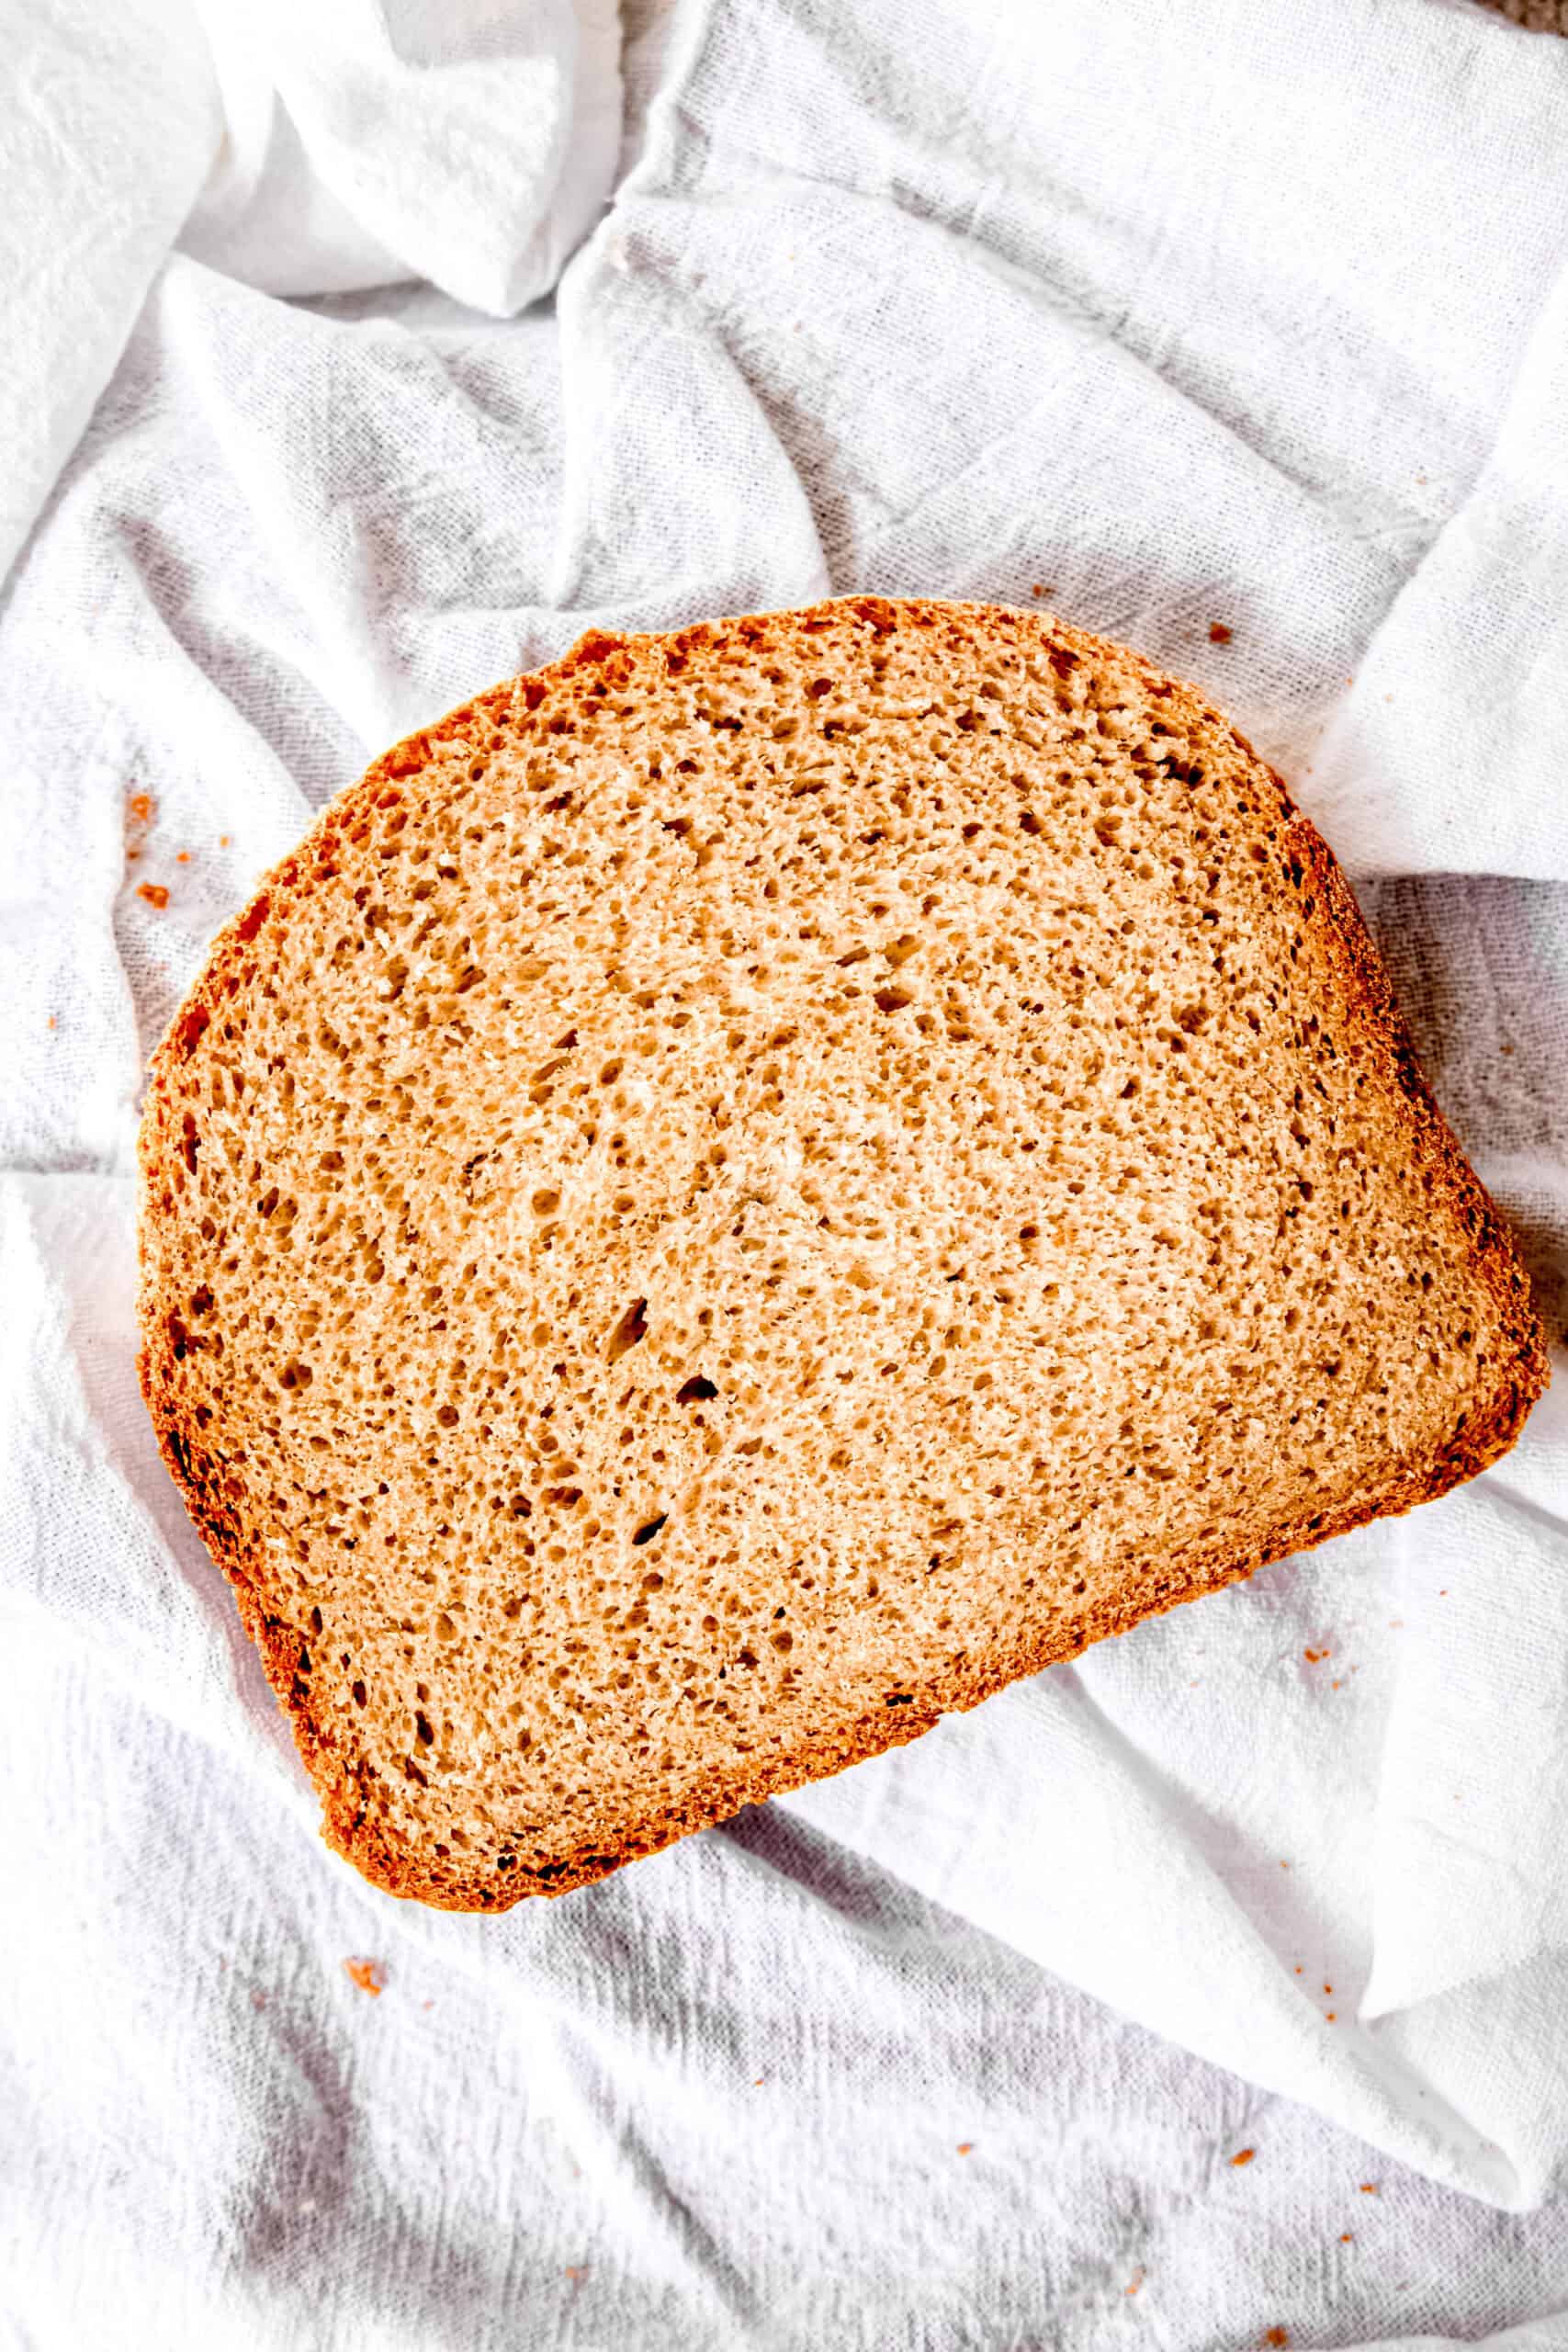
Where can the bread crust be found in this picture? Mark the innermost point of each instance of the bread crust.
(349, 1826)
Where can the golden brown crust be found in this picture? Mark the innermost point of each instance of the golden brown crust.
(233, 964)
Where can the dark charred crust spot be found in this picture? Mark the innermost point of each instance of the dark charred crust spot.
(408, 757)
(595, 646)
(192, 1027)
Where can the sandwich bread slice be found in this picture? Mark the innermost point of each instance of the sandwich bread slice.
(746, 1189)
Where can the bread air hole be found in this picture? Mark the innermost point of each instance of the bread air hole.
(629, 1331)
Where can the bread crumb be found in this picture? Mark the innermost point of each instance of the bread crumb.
(1284, 1866)
(369, 1975)
(1329, 1988)
(153, 892)
(577, 2272)
(52, 1020)
(222, 841)
(1276, 2335)
(1330, 2016)
(1244, 2155)
(1369, 2189)
(964, 2147)
(1218, 633)
(1347, 2237)
(1313, 1656)
(140, 805)
(1137, 2281)
(182, 858)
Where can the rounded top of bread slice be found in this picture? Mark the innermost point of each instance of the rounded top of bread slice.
(752, 1185)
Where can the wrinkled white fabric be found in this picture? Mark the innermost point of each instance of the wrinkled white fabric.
(110, 126)
(305, 149)
(467, 142)
(1230, 315)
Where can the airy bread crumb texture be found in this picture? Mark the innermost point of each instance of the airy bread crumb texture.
(751, 1186)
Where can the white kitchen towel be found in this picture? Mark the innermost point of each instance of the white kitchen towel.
(307, 151)
(1136, 313)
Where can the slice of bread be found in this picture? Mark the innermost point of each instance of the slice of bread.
(744, 1190)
